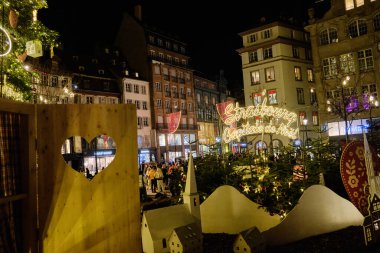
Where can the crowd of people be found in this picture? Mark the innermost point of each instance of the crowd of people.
(162, 177)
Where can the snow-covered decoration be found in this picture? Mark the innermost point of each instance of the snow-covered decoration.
(227, 210)
(251, 241)
(319, 211)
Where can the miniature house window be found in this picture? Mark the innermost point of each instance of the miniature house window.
(164, 243)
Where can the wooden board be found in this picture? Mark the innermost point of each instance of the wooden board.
(78, 215)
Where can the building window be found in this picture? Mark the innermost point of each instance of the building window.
(300, 96)
(310, 75)
(253, 56)
(206, 99)
(158, 103)
(145, 121)
(313, 97)
(268, 53)
(308, 54)
(190, 107)
(297, 73)
(167, 104)
(128, 87)
(357, 28)
(129, 101)
(328, 36)
(159, 42)
(145, 105)
(269, 74)
(137, 103)
(151, 39)
(272, 97)
(89, 100)
(251, 38)
(351, 4)
(182, 49)
(376, 22)
(365, 59)
(54, 81)
(255, 77)
(301, 116)
(199, 98)
(315, 118)
(106, 85)
(158, 86)
(184, 62)
(188, 91)
(266, 34)
(161, 55)
(257, 98)
(143, 90)
(135, 88)
(347, 63)
(329, 67)
(45, 79)
(296, 52)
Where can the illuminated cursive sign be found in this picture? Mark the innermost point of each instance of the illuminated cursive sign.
(279, 121)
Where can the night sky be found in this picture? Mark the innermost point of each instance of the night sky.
(210, 28)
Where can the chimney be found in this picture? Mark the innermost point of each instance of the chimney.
(138, 11)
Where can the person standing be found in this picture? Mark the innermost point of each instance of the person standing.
(159, 176)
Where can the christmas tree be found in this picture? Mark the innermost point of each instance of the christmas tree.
(22, 35)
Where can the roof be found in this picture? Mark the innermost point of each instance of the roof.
(188, 233)
(162, 221)
(252, 236)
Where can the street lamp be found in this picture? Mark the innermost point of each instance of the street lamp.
(372, 103)
(304, 121)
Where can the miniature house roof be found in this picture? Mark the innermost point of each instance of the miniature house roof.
(252, 236)
(163, 221)
(188, 233)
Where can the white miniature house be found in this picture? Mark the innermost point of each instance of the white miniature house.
(187, 239)
(250, 241)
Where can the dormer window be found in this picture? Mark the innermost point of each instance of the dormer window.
(101, 71)
(81, 68)
(137, 74)
(106, 50)
(126, 72)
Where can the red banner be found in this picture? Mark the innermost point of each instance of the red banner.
(354, 174)
(221, 107)
(173, 121)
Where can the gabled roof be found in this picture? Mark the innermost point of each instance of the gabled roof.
(188, 233)
(162, 221)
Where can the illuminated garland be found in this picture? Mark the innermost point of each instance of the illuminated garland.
(282, 116)
(9, 41)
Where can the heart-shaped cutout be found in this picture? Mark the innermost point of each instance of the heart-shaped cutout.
(89, 159)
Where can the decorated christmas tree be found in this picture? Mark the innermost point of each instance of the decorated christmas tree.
(22, 36)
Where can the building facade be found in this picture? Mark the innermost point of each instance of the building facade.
(277, 70)
(346, 47)
(163, 61)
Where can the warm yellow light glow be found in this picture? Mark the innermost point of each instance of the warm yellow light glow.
(281, 126)
(9, 41)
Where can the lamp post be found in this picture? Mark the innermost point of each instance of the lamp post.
(344, 104)
(372, 103)
(304, 121)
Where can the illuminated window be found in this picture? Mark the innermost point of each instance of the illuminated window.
(347, 63)
(310, 76)
(329, 67)
(328, 36)
(300, 96)
(297, 73)
(157, 69)
(269, 74)
(315, 118)
(272, 97)
(302, 116)
(128, 87)
(357, 28)
(257, 98)
(351, 4)
(365, 59)
(255, 77)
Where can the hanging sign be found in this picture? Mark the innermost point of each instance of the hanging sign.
(173, 121)
(280, 121)
(8, 41)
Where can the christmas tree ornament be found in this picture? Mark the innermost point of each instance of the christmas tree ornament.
(13, 18)
(34, 48)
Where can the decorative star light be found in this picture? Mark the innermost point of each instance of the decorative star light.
(246, 188)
